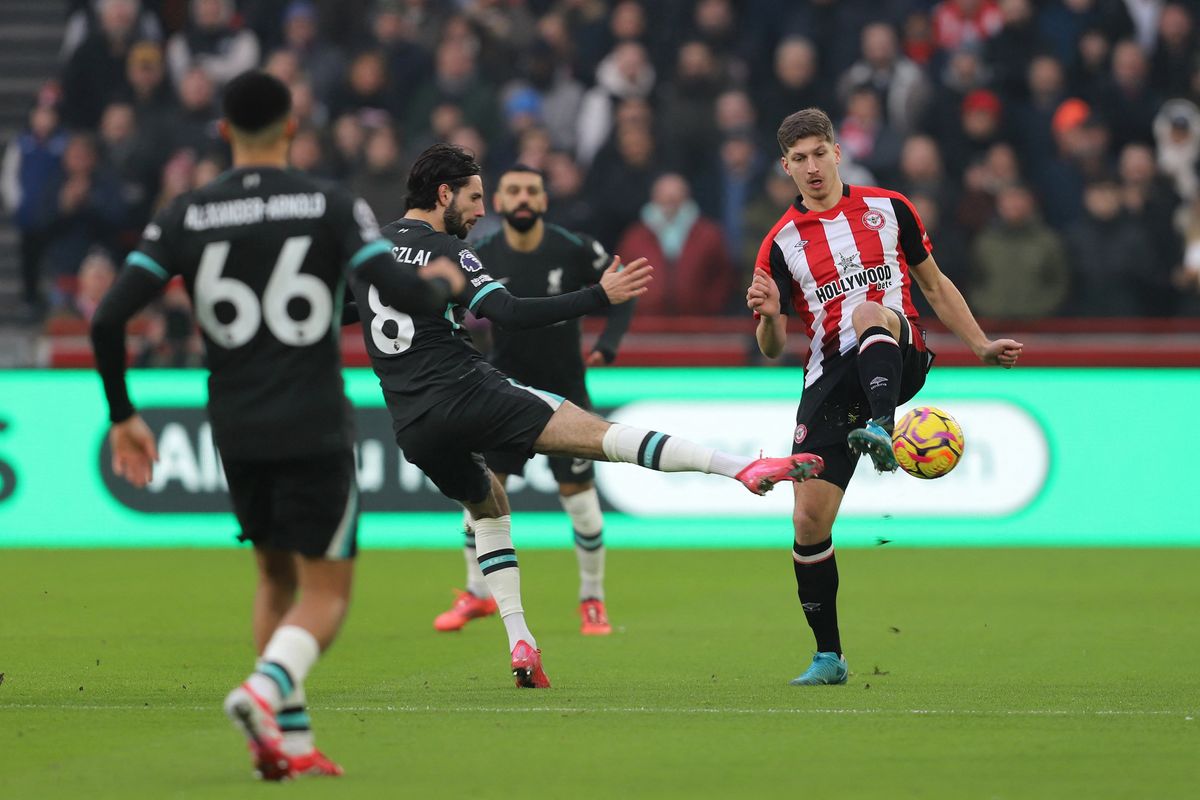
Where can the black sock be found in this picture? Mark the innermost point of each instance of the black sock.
(879, 365)
(817, 585)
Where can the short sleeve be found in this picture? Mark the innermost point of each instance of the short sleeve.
(913, 239)
(770, 259)
(154, 254)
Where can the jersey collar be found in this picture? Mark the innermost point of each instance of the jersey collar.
(799, 205)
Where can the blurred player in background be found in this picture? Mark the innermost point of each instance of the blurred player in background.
(535, 259)
(264, 253)
(449, 406)
(842, 259)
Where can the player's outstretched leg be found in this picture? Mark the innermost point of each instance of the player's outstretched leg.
(815, 567)
(498, 563)
(582, 504)
(879, 367)
(574, 432)
(476, 601)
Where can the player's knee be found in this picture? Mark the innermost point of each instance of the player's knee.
(809, 528)
(869, 314)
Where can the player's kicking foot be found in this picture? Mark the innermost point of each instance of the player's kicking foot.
(255, 718)
(595, 619)
(875, 440)
(315, 763)
(527, 667)
(466, 608)
(760, 475)
(827, 669)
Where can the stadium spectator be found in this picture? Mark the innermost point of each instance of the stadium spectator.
(624, 73)
(778, 191)
(195, 128)
(171, 339)
(96, 276)
(1059, 179)
(1019, 268)
(349, 140)
(693, 273)
(963, 73)
(687, 103)
(982, 126)
(866, 138)
(381, 180)
(306, 107)
(1009, 52)
(320, 62)
(456, 80)
(1128, 104)
(923, 172)
(901, 85)
(570, 206)
(177, 178)
(1150, 200)
(149, 92)
(559, 93)
(85, 19)
(395, 32)
(619, 186)
(795, 83)
(1177, 134)
(1107, 249)
(1031, 118)
(953, 253)
(1176, 51)
(32, 162)
(133, 158)
(1090, 69)
(213, 43)
(737, 180)
(958, 23)
(369, 92)
(307, 152)
(81, 207)
(95, 73)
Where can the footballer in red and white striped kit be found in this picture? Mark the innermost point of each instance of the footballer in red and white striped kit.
(842, 259)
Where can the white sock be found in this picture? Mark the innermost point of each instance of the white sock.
(498, 562)
(476, 585)
(588, 524)
(285, 664)
(658, 451)
(295, 724)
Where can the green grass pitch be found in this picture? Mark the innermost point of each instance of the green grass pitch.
(975, 674)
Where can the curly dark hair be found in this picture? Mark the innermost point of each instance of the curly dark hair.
(440, 164)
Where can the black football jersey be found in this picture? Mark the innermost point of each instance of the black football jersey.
(564, 262)
(264, 252)
(421, 358)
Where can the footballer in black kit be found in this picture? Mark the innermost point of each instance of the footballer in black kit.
(550, 358)
(264, 253)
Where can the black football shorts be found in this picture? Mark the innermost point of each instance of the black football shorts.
(836, 404)
(308, 504)
(448, 440)
(564, 468)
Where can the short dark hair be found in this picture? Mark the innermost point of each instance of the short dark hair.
(256, 100)
(440, 164)
(519, 167)
(803, 124)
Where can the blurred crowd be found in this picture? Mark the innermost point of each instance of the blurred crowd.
(1051, 146)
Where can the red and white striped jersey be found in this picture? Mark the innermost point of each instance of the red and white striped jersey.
(827, 262)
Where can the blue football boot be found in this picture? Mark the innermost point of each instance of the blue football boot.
(827, 669)
(875, 440)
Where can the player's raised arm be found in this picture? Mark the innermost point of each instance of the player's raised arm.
(517, 313)
(951, 308)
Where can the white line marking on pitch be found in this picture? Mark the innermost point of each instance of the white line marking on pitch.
(929, 712)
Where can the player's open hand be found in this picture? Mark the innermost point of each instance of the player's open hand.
(133, 450)
(442, 267)
(763, 294)
(1001, 352)
(623, 284)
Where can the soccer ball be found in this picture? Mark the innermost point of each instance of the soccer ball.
(927, 442)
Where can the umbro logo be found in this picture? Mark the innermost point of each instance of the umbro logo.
(803, 243)
(811, 606)
(878, 382)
